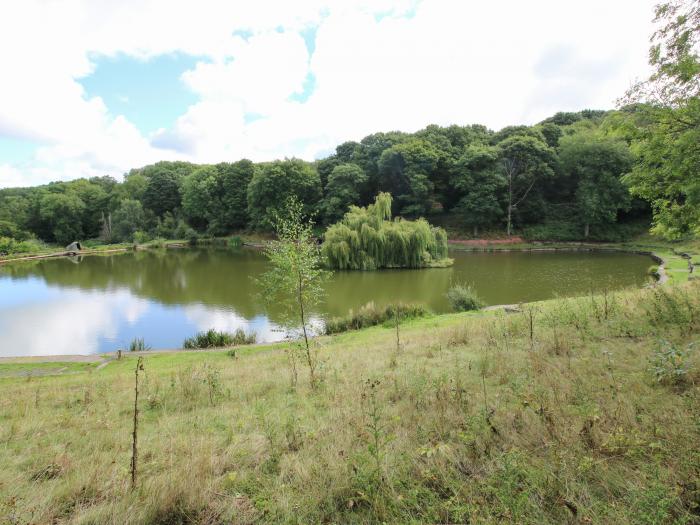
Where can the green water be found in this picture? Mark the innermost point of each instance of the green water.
(100, 303)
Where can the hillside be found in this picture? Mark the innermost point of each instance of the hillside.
(570, 411)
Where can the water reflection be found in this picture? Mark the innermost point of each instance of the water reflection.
(100, 303)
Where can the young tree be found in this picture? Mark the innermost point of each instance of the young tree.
(525, 160)
(295, 279)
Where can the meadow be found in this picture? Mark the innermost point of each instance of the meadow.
(578, 410)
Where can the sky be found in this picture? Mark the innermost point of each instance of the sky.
(97, 87)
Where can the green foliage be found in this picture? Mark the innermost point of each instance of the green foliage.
(162, 193)
(372, 315)
(480, 181)
(214, 339)
(138, 345)
(405, 171)
(295, 279)
(526, 160)
(669, 363)
(63, 212)
(141, 237)
(662, 119)
(666, 146)
(366, 239)
(10, 229)
(8, 246)
(595, 165)
(235, 178)
(463, 298)
(235, 241)
(273, 182)
(215, 197)
(127, 220)
(345, 185)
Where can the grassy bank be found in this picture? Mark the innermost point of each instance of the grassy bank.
(572, 411)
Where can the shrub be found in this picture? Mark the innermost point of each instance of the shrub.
(235, 241)
(213, 339)
(372, 315)
(463, 298)
(9, 246)
(141, 237)
(669, 363)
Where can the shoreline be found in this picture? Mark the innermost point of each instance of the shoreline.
(102, 359)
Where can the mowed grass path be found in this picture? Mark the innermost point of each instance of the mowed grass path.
(550, 415)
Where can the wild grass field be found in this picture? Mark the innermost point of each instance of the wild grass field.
(581, 410)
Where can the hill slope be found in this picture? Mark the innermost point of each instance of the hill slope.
(550, 415)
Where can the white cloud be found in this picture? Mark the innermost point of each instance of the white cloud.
(445, 61)
(100, 316)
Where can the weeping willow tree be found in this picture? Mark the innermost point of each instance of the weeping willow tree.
(367, 239)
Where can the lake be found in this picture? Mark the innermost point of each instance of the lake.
(100, 303)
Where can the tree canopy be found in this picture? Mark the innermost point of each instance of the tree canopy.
(367, 239)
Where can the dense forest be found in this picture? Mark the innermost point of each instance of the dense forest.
(560, 179)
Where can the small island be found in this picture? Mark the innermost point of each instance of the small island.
(368, 239)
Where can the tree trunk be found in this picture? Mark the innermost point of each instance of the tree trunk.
(309, 359)
(586, 230)
(510, 209)
(476, 231)
(510, 201)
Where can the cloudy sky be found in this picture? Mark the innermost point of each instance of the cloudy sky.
(96, 87)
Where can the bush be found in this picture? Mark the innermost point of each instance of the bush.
(372, 315)
(9, 246)
(463, 298)
(141, 237)
(669, 364)
(235, 241)
(213, 339)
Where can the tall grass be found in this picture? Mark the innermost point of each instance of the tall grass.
(214, 339)
(138, 344)
(372, 315)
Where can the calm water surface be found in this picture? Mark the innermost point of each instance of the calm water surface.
(100, 303)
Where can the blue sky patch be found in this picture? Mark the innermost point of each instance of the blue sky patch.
(307, 89)
(147, 92)
(16, 151)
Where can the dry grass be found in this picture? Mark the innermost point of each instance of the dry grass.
(473, 422)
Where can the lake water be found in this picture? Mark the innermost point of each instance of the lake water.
(100, 303)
